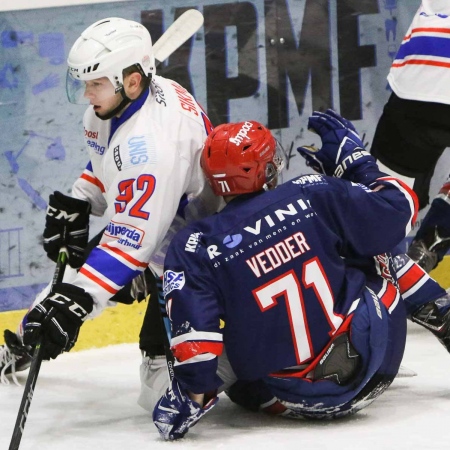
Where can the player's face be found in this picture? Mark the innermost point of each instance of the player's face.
(100, 93)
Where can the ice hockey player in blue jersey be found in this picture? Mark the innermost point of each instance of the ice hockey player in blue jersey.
(315, 325)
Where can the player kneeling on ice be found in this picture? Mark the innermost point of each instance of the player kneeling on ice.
(315, 324)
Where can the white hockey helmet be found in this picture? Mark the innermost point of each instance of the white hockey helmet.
(105, 49)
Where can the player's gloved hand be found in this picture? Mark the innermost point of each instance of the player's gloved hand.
(67, 224)
(342, 154)
(175, 412)
(57, 319)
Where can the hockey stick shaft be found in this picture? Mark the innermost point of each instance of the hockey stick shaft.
(177, 34)
(170, 360)
(35, 365)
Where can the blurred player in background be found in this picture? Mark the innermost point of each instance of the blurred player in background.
(414, 129)
(315, 325)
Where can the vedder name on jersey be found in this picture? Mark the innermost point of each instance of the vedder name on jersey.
(278, 254)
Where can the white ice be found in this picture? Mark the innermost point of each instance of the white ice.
(87, 400)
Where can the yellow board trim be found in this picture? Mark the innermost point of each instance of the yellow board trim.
(122, 323)
(116, 325)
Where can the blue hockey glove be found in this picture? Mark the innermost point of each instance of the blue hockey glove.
(175, 412)
(58, 319)
(342, 154)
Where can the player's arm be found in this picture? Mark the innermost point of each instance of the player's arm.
(368, 222)
(89, 188)
(415, 285)
(374, 212)
(193, 307)
(342, 154)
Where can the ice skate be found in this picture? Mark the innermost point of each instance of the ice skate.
(14, 357)
(435, 316)
(427, 252)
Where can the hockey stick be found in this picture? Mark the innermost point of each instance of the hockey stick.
(177, 34)
(165, 322)
(35, 365)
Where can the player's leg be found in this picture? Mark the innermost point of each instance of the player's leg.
(153, 371)
(409, 139)
(377, 341)
(432, 240)
(426, 302)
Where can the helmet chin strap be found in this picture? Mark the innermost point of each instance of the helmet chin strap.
(125, 101)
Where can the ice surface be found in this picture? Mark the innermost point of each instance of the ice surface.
(87, 400)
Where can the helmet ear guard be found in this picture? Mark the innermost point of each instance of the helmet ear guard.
(241, 158)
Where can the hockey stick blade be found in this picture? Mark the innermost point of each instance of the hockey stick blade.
(28, 391)
(177, 34)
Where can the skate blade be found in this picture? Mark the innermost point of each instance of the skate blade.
(404, 372)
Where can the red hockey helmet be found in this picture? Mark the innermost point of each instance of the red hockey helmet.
(239, 158)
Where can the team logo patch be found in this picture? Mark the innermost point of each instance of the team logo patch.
(232, 241)
(172, 280)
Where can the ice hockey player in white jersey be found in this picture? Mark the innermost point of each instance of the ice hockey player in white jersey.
(144, 135)
(414, 129)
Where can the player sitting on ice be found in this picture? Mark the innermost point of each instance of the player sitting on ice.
(315, 325)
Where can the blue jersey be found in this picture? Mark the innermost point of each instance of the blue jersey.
(283, 270)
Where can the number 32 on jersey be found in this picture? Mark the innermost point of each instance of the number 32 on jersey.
(136, 192)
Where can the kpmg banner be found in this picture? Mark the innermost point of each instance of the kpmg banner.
(273, 61)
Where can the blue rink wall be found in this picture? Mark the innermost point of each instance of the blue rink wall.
(274, 61)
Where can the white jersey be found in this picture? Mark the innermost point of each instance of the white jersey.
(140, 166)
(421, 68)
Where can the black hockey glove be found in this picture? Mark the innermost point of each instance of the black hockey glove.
(72, 216)
(342, 154)
(58, 319)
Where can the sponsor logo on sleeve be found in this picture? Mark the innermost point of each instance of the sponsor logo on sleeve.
(362, 186)
(91, 141)
(125, 234)
(172, 280)
(192, 242)
(310, 179)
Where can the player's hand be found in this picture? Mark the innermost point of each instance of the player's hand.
(67, 224)
(342, 154)
(57, 319)
(175, 412)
